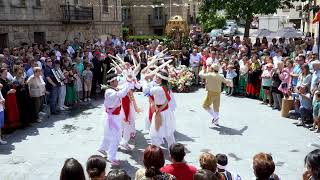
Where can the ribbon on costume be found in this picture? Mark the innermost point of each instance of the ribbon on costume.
(110, 112)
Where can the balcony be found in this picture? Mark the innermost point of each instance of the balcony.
(76, 14)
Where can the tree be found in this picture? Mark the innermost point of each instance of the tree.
(211, 20)
(244, 9)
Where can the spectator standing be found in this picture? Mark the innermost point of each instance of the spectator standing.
(87, 82)
(231, 74)
(204, 174)
(2, 104)
(296, 71)
(266, 83)
(195, 59)
(184, 57)
(72, 170)
(52, 86)
(37, 90)
(275, 83)
(180, 169)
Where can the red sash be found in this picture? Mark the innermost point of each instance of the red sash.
(126, 107)
(151, 109)
(116, 111)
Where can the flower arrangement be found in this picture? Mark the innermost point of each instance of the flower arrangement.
(181, 78)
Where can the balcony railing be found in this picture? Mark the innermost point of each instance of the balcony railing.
(76, 14)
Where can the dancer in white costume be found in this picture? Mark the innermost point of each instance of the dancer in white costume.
(114, 117)
(163, 122)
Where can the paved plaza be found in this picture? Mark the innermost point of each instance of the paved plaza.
(38, 152)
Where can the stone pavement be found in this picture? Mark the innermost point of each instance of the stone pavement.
(38, 152)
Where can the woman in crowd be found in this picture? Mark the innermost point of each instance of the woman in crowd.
(266, 83)
(244, 68)
(153, 160)
(312, 164)
(264, 167)
(285, 79)
(37, 89)
(11, 112)
(304, 78)
(96, 167)
(253, 86)
(118, 174)
(208, 161)
(72, 170)
(23, 99)
(275, 83)
(204, 174)
(71, 92)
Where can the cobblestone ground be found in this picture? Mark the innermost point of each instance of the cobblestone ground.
(247, 127)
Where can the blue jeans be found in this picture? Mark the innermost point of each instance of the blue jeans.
(54, 96)
(305, 113)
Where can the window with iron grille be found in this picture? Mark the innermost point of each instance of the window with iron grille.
(23, 2)
(158, 13)
(105, 7)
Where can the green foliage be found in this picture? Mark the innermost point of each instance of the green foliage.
(125, 31)
(210, 20)
(186, 42)
(244, 9)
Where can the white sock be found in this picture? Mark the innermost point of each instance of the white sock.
(211, 112)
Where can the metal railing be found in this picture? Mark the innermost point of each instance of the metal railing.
(75, 13)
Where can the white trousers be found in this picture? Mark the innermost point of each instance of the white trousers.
(128, 128)
(62, 96)
(112, 137)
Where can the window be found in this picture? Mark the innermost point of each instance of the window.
(1, 3)
(126, 13)
(23, 2)
(158, 13)
(3, 41)
(105, 7)
(39, 37)
(38, 3)
(76, 2)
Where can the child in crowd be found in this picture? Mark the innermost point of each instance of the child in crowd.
(316, 113)
(71, 93)
(266, 83)
(222, 162)
(231, 73)
(78, 83)
(87, 82)
(305, 105)
(2, 101)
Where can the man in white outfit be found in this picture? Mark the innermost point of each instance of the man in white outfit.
(114, 117)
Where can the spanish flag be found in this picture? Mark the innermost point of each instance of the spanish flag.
(316, 18)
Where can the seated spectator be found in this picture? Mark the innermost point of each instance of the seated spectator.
(118, 174)
(204, 174)
(208, 161)
(96, 167)
(179, 168)
(312, 164)
(72, 170)
(153, 160)
(264, 167)
(222, 160)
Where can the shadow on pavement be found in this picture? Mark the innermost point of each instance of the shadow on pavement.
(229, 131)
(22, 134)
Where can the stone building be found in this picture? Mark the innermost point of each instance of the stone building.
(57, 20)
(150, 17)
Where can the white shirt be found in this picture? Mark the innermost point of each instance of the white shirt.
(195, 60)
(70, 50)
(276, 59)
(58, 55)
(112, 98)
(159, 95)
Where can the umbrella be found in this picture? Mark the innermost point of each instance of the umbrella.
(287, 32)
(262, 33)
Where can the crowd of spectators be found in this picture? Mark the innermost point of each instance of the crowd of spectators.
(212, 167)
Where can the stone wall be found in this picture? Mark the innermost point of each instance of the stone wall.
(20, 22)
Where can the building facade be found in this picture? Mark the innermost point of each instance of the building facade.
(150, 17)
(57, 20)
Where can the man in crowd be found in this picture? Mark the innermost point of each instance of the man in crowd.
(179, 168)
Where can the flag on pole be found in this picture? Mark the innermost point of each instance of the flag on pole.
(316, 18)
